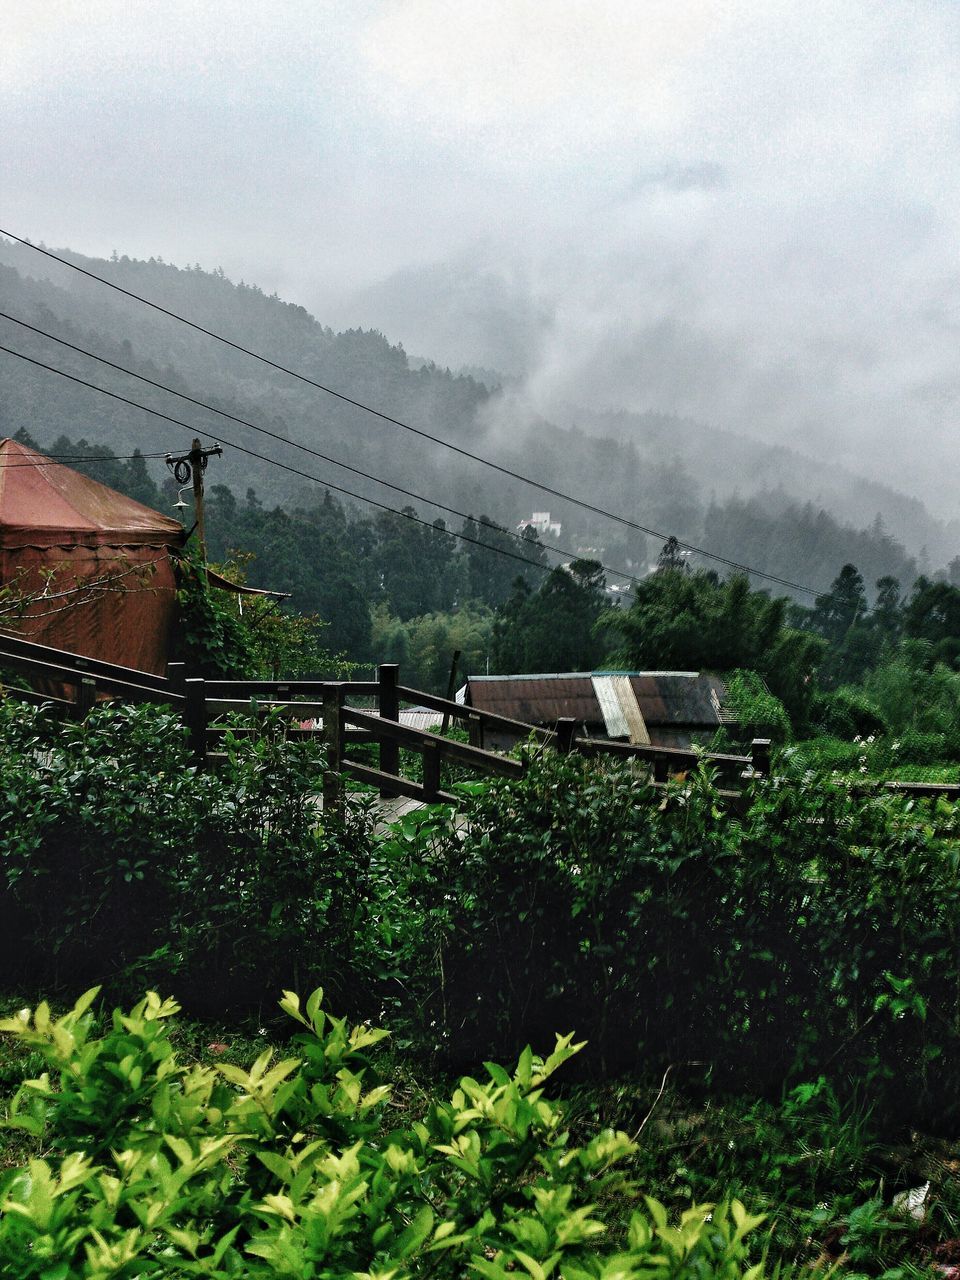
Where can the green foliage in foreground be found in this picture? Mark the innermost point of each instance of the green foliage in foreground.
(119, 860)
(812, 933)
(150, 1167)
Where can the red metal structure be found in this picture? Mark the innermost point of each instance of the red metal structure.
(90, 570)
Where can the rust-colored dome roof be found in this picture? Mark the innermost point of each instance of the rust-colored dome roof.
(44, 503)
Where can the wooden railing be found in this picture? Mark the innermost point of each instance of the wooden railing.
(73, 684)
(329, 709)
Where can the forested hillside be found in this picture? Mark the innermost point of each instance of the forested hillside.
(653, 470)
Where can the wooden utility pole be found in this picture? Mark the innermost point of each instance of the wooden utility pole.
(451, 688)
(187, 466)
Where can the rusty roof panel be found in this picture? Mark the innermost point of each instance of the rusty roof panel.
(43, 503)
(537, 700)
(675, 699)
(662, 697)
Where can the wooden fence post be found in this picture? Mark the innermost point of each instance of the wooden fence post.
(451, 690)
(431, 770)
(389, 707)
(86, 697)
(760, 756)
(566, 726)
(333, 744)
(474, 730)
(176, 676)
(196, 719)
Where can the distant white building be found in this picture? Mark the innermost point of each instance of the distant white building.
(540, 520)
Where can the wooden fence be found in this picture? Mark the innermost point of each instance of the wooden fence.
(348, 713)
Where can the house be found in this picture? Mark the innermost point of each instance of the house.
(540, 520)
(661, 708)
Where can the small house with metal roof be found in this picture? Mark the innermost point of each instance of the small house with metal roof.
(658, 708)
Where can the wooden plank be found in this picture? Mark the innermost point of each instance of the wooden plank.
(461, 712)
(304, 710)
(196, 720)
(16, 646)
(333, 742)
(402, 786)
(244, 690)
(417, 738)
(34, 698)
(432, 761)
(677, 756)
(59, 674)
(388, 704)
(949, 790)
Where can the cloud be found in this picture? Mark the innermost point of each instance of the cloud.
(743, 211)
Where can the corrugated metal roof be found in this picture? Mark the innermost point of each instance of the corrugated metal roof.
(636, 724)
(654, 698)
(537, 699)
(675, 699)
(608, 696)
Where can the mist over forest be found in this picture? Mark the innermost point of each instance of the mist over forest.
(768, 508)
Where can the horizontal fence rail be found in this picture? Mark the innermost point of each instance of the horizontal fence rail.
(71, 684)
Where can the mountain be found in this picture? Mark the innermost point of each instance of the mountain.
(667, 474)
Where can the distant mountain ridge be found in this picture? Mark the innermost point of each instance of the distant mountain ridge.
(663, 472)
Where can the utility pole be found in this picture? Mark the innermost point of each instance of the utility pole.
(187, 466)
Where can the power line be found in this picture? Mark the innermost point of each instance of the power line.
(315, 453)
(77, 457)
(417, 431)
(500, 551)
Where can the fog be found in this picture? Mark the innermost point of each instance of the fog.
(745, 213)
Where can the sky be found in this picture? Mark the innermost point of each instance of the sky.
(743, 211)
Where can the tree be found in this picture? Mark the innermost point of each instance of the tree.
(489, 576)
(555, 628)
(933, 614)
(836, 611)
(692, 621)
(672, 557)
(887, 616)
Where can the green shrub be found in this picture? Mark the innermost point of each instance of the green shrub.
(666, 928)
(847, 713)
(755, 706)
(889, 755)
(119, 858)
(151, 1167)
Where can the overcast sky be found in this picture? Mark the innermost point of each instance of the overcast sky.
(745, 211)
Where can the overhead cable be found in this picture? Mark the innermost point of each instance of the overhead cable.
(314, 453)
(417, 431)
(252, 453)
(77, 457)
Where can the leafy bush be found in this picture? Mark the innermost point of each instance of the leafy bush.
(210, 637)
(845, 714)
(118, 856)
(887, 755)
(666, 928)
(912, 692)
(151, 1167)
(756, 707)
